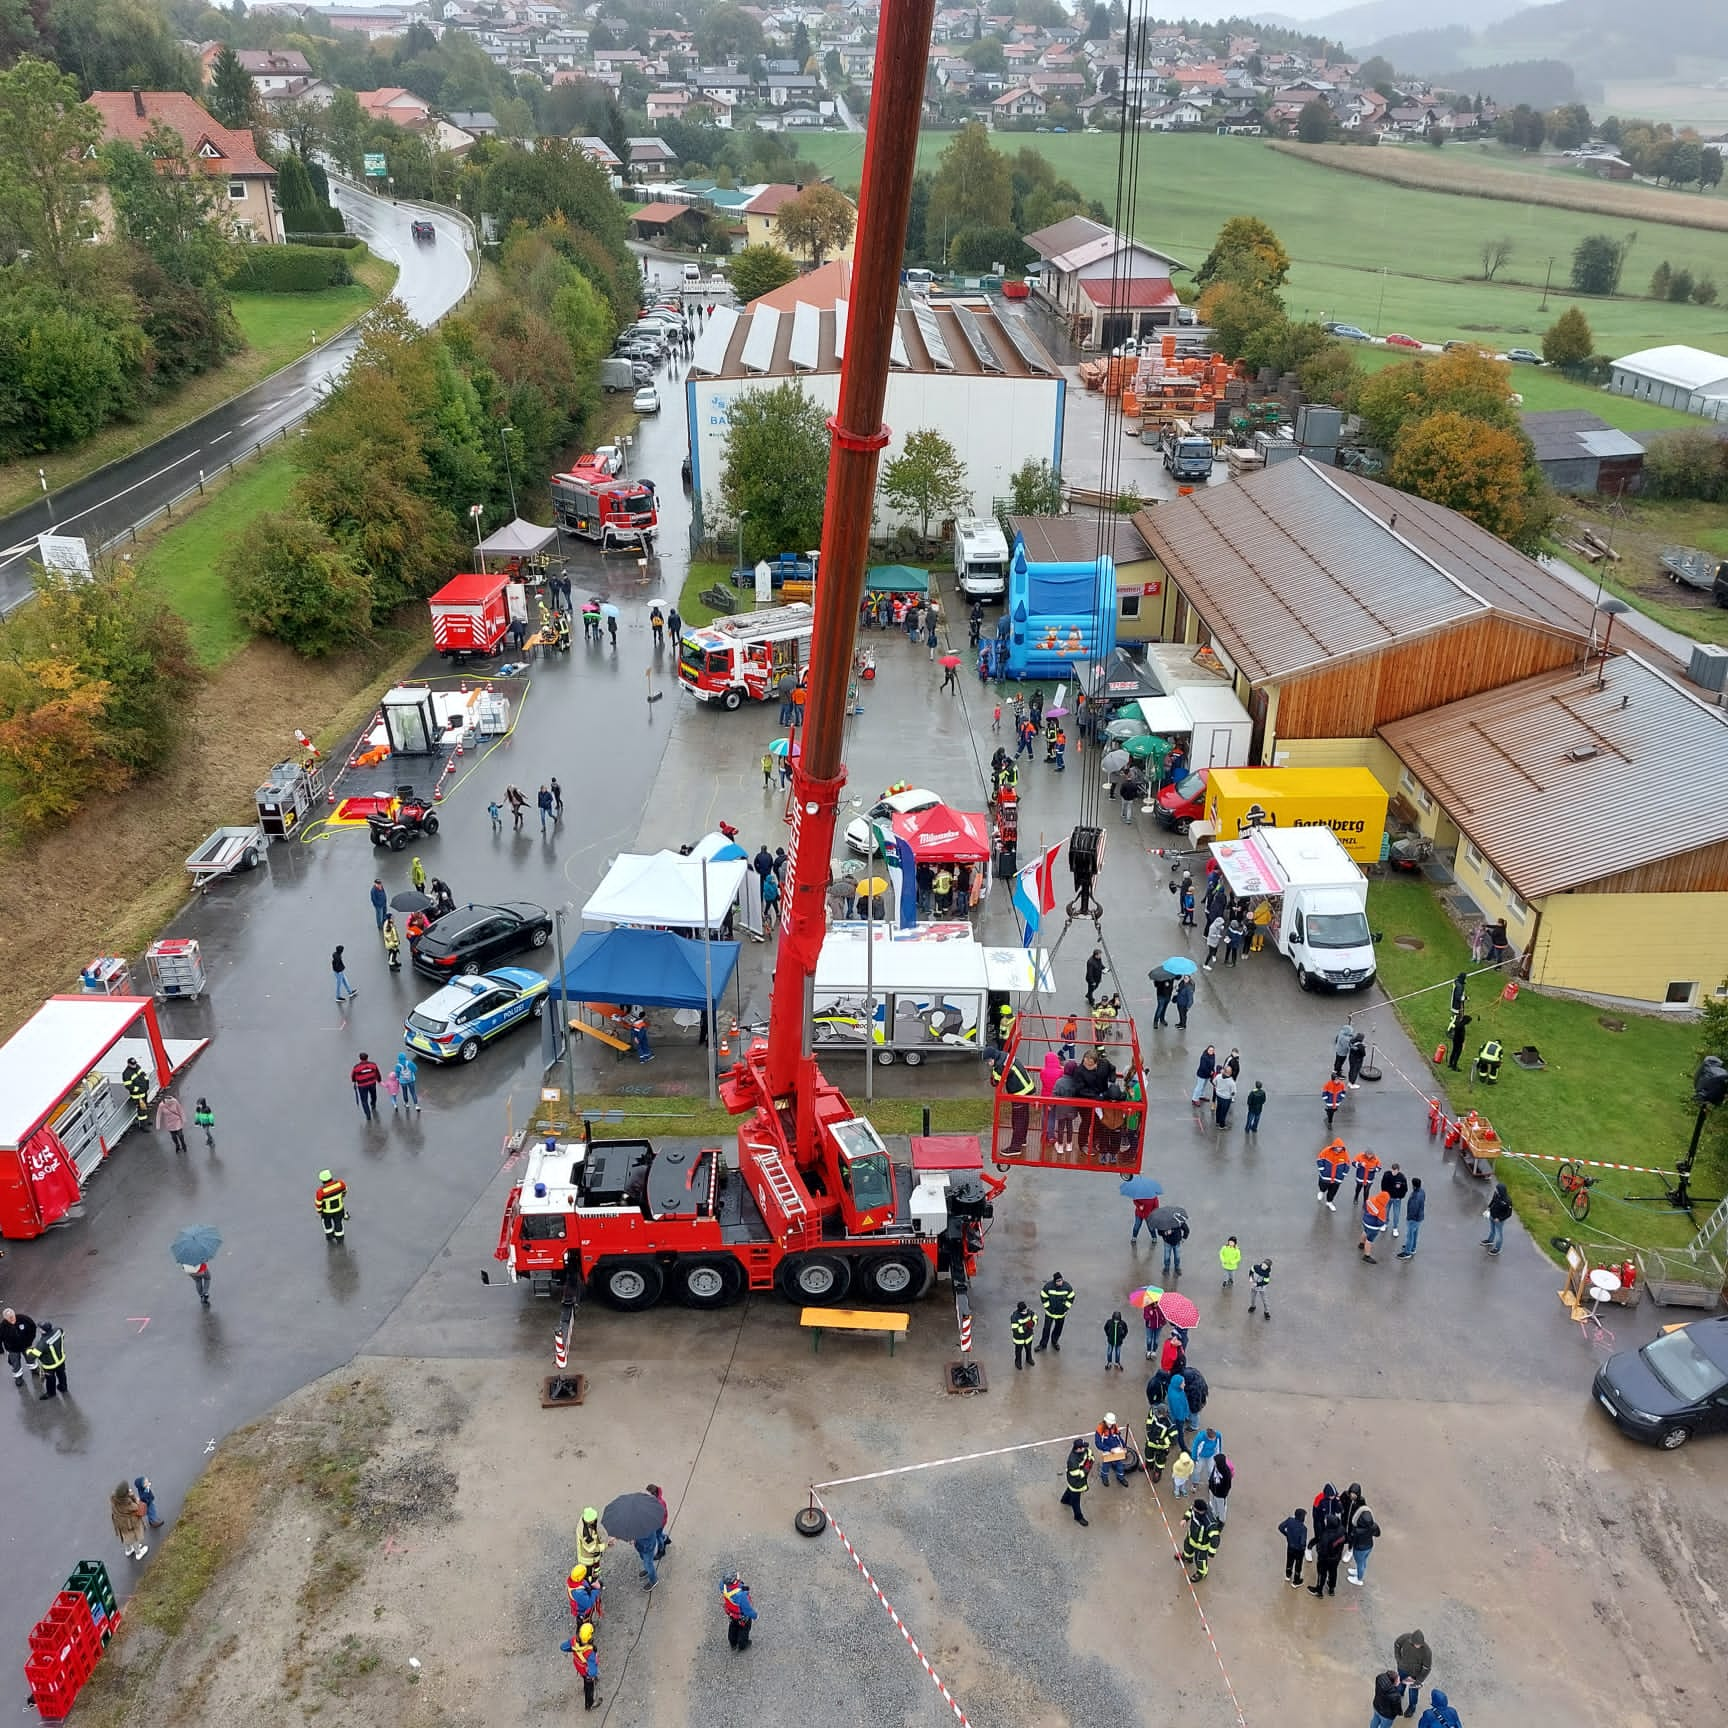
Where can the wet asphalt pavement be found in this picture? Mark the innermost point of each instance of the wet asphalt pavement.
(155, 1381)
(432, 277)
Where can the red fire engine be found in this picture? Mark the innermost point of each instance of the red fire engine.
(745, 657)
(591, 504)
(809, 1200)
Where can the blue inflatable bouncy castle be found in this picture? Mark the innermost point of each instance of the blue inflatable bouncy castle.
(1059, 618)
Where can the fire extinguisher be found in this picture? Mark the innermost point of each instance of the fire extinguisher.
(1435, 1117)
(1510, 993)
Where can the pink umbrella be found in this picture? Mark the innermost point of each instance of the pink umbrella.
(1178, 1310)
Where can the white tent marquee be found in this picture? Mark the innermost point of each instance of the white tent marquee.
(663, 890)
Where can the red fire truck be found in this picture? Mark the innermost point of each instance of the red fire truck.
(808, 1199)
(591, 504)
(747, 656)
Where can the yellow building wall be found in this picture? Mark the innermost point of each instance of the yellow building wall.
(1133, 579)
(761, 230)
(1501, 902)
(1369, 753)
(1633, 945)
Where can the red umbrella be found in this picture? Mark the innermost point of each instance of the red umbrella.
(1178, 1310)
(950, 659)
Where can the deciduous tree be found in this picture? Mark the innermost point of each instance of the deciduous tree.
(759, 270)
(775, 467)
(1482, 471)
(973, 185)
(165, 204)
(1596, 264)
(1316, 124)
(1248, 253)
(926, 479)
(1495, 255)
(1568, 340)
(46, 135)
(290, 580)
(1036, 488)
(818, 221)
(1466, 382)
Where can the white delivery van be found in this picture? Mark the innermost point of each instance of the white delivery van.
(693, 273)
(980, 558)
(1320, 901)
(926, 990)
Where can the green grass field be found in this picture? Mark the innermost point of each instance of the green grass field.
(1543, 389)
(1340, 230)
(181, 560)
(1620, 1096)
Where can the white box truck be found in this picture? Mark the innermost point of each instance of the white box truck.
(980, 558)
(927, 990)
(1319, 901)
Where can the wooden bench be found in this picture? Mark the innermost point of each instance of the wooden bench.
(854, 1323)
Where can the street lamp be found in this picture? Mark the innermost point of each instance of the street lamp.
(1612, 609)
(741, 515)
(509, 479)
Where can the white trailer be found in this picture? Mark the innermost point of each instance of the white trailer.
(926, 990)
(980, 558)
(1320, 897)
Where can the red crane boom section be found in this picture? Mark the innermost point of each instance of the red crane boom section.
(780, 1082)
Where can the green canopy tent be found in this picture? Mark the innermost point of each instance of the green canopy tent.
(897, 579)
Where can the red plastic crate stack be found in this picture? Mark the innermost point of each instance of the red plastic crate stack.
(65, 1647)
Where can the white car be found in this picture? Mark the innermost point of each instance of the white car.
(859, 834)
(646, 400)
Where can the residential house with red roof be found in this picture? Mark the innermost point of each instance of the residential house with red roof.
(216, 150)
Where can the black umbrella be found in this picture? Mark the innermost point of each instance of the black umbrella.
(632, 1516)
(411, 900)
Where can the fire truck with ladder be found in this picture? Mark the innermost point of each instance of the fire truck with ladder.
(593, 505)
(809, 1201)
(745, 658)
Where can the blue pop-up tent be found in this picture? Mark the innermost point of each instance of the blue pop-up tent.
(652, 968)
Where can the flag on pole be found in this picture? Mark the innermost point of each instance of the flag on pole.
(1035, 892)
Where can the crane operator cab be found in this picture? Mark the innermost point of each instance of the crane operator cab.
(868, 1199)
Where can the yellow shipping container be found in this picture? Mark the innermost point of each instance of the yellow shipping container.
(1349, 801)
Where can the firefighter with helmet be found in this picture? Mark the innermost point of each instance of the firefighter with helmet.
(591, 1546)
(1488, 1063)
(740, 1611)
(1200, 1541)
(1008, 1075)
(584, 1594)
(137, 1084)
(586, 1659)
(331, 1199)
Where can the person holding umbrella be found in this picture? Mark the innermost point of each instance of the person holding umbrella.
(950, 672)
(193, 1250)
(640, 1520)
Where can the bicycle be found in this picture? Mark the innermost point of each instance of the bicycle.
(1575, 1188)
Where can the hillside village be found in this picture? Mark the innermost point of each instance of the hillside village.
(803, 68)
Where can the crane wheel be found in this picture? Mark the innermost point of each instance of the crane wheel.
(811, 1521)
(629, 1285)
(815, 1278)
(892, 1277)
(707, 1283)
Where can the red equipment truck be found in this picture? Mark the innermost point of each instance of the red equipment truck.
(591, 504)
(734, 659)
(810, 1201)
(469, 615)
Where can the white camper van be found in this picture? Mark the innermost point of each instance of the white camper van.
(980, 558)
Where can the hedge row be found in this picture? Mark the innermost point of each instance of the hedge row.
(344, 242)
(291, 270)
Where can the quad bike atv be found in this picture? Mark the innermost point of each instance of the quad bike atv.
(407, 816)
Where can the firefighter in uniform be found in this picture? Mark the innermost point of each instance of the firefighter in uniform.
(1160, 1437)
(48, 1357)
(590, 1544)
(1004, 1024)
(740, 1611)
(1200, 1541)
(584, 1595)
(137, 1084)
(1019, 1085)
(1488, 1063)
(1057, 1297)
(1077, 1472)
(587, 1662)
(1021, 1324)
(331, 1199)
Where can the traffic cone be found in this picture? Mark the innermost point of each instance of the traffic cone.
(725, 1046)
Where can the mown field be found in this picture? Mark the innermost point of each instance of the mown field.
(1367, 252)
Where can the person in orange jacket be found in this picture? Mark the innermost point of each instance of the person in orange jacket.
(1373, 1222)
(586, 1659)
(1367, 1166)
(1332, 1094)
(1333, 1164)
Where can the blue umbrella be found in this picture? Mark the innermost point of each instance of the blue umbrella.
(1140, 1188)
(780, 746)
(196, 1245)
(1178, 965)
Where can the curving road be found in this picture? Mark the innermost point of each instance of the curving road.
(431, 280)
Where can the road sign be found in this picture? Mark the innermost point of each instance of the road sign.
(376, 166)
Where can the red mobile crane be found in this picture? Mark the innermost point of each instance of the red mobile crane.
(815, 1205)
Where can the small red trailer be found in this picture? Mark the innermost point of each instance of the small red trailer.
(470, 615)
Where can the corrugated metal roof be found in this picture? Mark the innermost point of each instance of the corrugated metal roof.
(1678, 364)
(1559, 783)
(1289, 571)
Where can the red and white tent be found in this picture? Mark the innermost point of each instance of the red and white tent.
(941, 835)
(62, 1109)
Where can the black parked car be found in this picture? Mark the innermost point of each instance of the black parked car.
(1673, 1388)
(473, 938)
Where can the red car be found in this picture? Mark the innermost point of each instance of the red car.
(1396, 340)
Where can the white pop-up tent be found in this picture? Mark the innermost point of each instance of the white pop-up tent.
(664, 890)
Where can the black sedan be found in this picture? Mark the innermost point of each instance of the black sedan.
(1673, 1388)
(473, 938)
